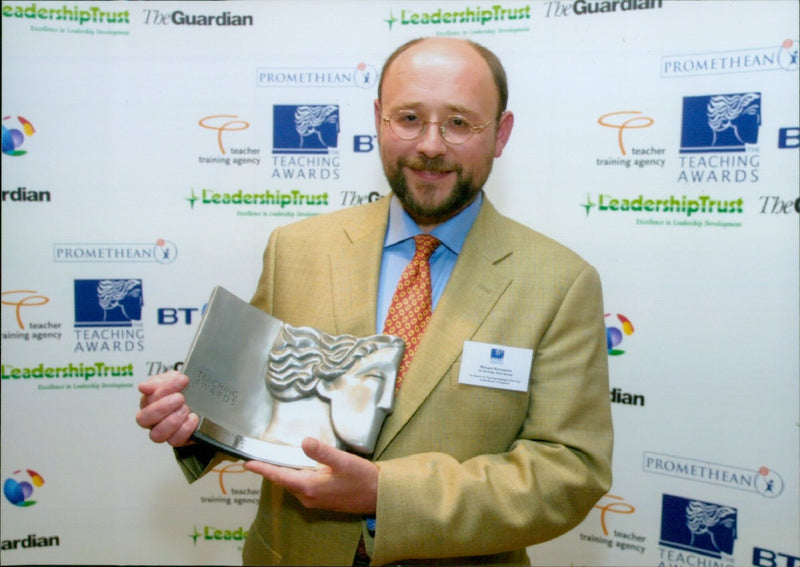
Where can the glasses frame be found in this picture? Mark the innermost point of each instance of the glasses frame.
(473, 129)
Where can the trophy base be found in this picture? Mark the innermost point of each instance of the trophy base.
(250, 448)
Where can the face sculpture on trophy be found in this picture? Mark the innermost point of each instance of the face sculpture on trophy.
(260, 386)
(338, 389)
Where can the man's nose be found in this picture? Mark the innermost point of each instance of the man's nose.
(431, 143)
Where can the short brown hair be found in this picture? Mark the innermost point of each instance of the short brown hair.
(495, 66)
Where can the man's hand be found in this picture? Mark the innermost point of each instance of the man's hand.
(346, 482)
(163, 409)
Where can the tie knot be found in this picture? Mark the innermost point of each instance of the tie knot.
(426, 244)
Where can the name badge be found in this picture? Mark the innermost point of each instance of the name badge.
(495, 366)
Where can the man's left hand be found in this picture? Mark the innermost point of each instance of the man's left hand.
(345, 482)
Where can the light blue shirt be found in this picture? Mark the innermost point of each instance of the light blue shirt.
(399, 248)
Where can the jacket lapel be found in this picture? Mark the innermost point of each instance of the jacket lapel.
(355, 265)
(475, 286)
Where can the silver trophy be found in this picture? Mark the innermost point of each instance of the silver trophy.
(260, 385)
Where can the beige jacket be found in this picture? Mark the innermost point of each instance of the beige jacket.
(469, 473)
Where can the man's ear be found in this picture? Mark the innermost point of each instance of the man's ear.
(378, 118)
(503, 132)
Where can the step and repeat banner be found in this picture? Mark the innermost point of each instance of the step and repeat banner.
(149, 148)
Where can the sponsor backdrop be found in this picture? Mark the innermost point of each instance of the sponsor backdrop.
(148, 149)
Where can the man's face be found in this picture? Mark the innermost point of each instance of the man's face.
(361, 398)
(437, 78)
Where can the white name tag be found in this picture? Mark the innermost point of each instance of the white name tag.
(495, 366)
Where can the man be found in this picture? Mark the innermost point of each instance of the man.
(461, 473)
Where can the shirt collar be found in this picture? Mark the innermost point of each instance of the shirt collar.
(452, 233)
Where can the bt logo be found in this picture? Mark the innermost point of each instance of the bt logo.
(18, 488)
(767, 558)
(789, 138)
(173, 315)
(13, 138)
(364, 143)
(615, 331)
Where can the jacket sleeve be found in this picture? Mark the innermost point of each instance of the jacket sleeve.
(430, 505)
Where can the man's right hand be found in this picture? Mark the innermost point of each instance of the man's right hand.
(163, 409)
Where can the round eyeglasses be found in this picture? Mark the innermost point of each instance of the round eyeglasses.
(455, 129)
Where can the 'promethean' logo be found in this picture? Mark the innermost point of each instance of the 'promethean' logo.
(783, 58)
(18, 488)
(362, 76)
(764, 481)
(160, 252)
(14, 136)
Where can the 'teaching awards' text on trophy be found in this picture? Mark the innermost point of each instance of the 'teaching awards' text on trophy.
(260, 385)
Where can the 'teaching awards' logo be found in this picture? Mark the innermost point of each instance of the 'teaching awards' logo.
(108, 315)
(696, 527)
(719, 138)
(305, 141)
(305, 128)
(720, 123)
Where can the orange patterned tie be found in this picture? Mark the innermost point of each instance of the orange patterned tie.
(411, 303)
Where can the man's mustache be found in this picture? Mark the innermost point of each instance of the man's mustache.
(433, 165)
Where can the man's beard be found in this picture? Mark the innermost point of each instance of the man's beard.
(461, 195)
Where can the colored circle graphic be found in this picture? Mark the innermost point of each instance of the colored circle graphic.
(14, 137)
(18, 488)
(768, 483)
(617, 327)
